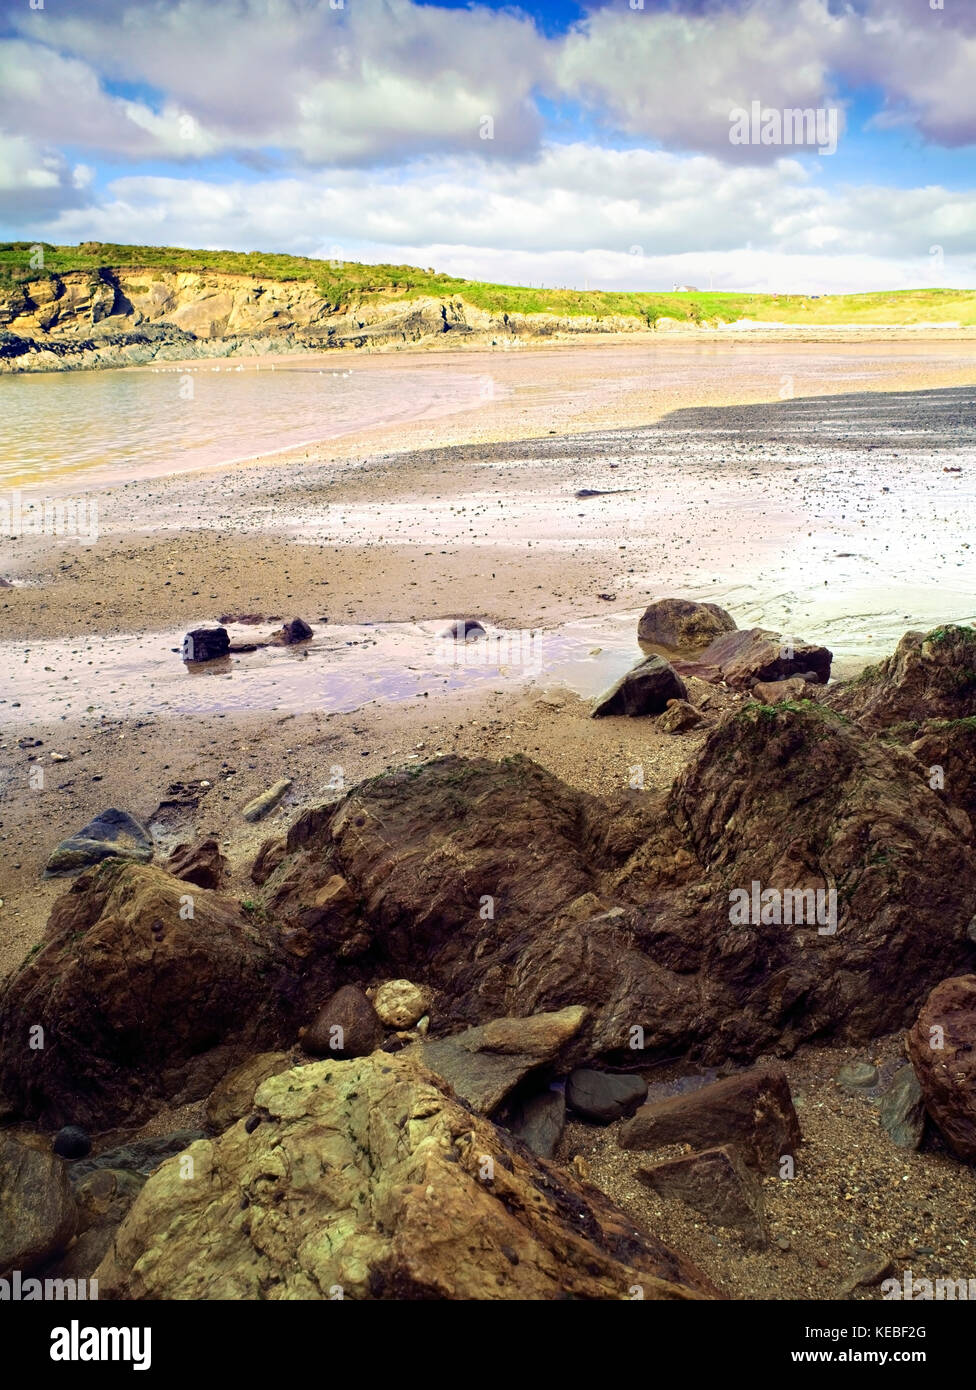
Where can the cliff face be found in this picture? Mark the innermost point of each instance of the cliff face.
(115, 318)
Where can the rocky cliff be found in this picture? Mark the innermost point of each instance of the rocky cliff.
(127, 317)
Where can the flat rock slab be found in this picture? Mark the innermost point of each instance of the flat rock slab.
(718, 1184)
(603, 1096)
(113, 832)
(646, 689)
(758, 654)
(485, 1064)
(754, 1110)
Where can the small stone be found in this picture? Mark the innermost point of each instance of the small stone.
(71, 1142)
(399, 1003)
(267, 801)
(857, 1076)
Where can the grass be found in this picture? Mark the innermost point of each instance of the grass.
(342, 283)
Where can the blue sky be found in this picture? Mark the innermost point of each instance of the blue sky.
(557, 143)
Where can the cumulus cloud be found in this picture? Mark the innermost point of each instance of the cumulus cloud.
(374, 79)
(659, 216)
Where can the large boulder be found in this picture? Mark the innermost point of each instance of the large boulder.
(754, 655)
(366, 1179)
(507, 893)
(942, 1047)
(37, 1210)
(141, 992)
(929, 676)
(645, 689)
(681, 625)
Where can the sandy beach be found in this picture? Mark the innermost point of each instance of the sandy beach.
(839, 512)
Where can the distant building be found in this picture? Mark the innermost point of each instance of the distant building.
(686, 289)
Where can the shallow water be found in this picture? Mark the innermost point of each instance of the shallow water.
(106, 425)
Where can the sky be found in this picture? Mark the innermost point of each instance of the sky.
(615, 144)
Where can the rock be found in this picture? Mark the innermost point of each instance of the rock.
(346, 1026)
(111, 833)
(851, 815)
(140, 1156)
(773, 692)
(680, 625)
(742, 658)
(603, 1096)
(463, 630)
(205, 644)
(365, 1179)
(103, 1198)
(942, 1048)
(71, 1142)
(539, 1122)
(678, 716)
(268, 857)
(507, 893)
(233, 1096)
(138, 1003)
(295, 631)
(857, 1076)
(903, 1110)
(267, 801)
(718, 1185)
(399, 1003)
(753, 1110)
(201, 863)
(946, 749)
(930, 676)
(484, 1065)
(646, 689)
(37, 1209)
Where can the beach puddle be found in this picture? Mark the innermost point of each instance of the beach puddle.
(346, 667)
(342, 668)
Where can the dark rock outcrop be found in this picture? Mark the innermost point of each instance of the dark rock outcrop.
(37, 1210)
(929, 676)
(345, 1026)
(201, 863)
(743, 658)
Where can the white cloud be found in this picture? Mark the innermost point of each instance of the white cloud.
(539, 221)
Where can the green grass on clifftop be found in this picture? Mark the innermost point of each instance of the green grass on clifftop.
(345, 282)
